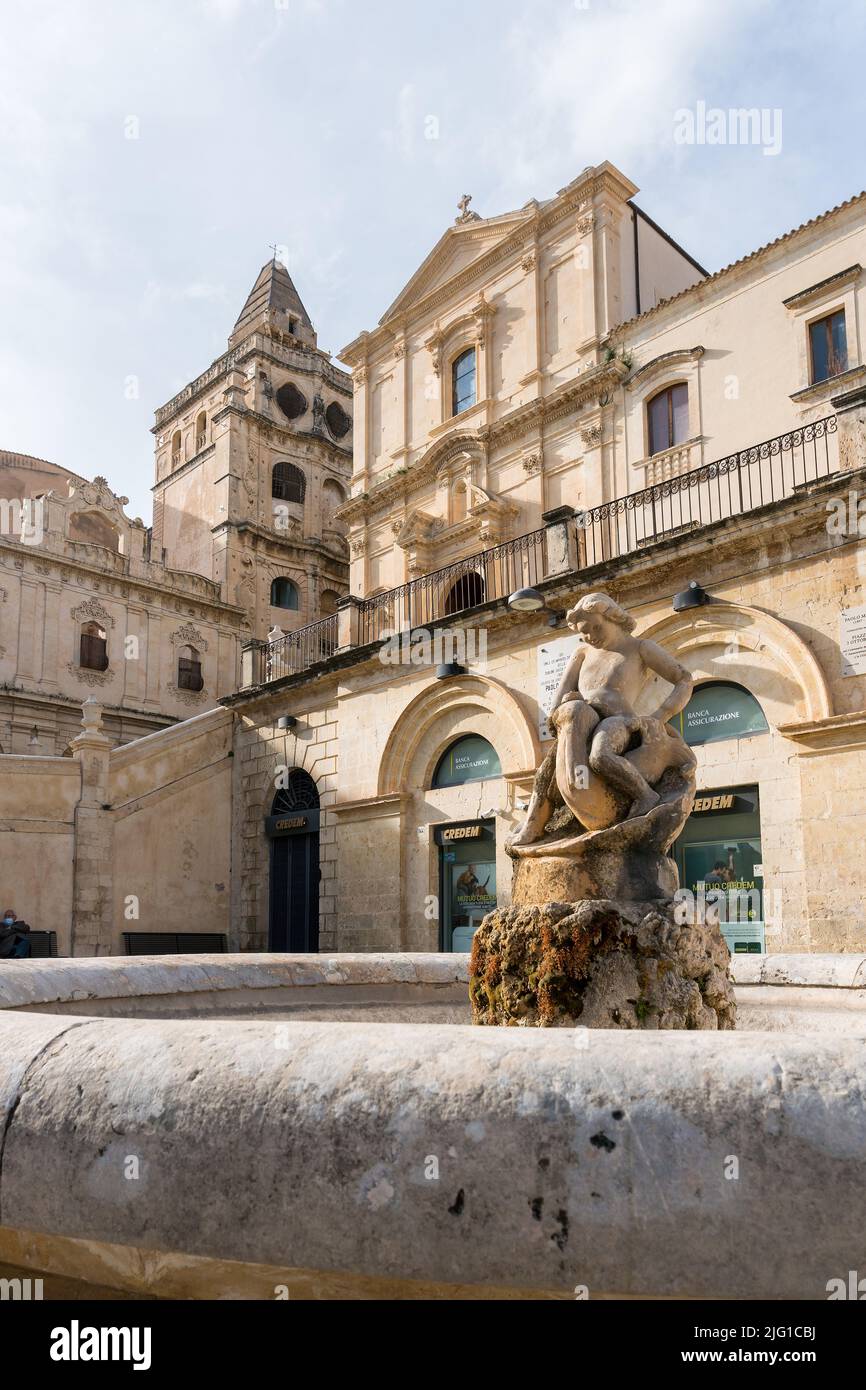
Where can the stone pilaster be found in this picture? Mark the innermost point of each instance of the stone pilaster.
(93, 876)
(850, 411)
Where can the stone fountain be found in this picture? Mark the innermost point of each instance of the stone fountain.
(594, 936)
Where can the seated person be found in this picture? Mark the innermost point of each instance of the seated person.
(13, 936)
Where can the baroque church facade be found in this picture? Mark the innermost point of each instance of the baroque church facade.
(252, 463)
(560, 401)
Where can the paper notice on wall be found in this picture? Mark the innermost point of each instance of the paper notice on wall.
(852, 641)
(552, 660)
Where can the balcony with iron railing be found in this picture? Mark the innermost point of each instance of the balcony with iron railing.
(698, 499)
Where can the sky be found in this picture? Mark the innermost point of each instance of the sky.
(151, 153)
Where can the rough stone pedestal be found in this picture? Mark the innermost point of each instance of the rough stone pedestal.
(599, 964)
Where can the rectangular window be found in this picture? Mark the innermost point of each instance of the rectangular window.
(463, 381)
(668, 418)
(829, 346)
(93, 652)
(189, 674)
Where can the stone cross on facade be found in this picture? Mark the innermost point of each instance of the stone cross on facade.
(465, 214)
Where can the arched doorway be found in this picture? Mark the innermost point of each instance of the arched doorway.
(293, 829)
(465, 593)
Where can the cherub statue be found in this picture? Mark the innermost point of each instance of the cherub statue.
(607, 756)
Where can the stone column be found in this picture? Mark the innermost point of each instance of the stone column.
(348, 622)
(850, 410)
(560, 542)
(93, 876)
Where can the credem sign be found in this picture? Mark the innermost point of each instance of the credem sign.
(300, 824)
(706, 802)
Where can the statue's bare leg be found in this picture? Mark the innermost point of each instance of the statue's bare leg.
(540, 804)
(610, 741)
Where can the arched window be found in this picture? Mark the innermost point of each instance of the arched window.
(299, 794)
(176, 448)
(720, 710)
(333, 496)
(667, 416)
(466, 593)
(200, 431)
(469, 759)
(463, 381)
(189, 669)
(288, 483)
(93, 647)
(284, 594)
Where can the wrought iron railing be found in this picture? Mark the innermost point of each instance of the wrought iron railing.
(296, 652)
(489, 574)
(704, 496)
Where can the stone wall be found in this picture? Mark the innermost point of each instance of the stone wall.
(129, 839)
(38, 799)
(262, 751)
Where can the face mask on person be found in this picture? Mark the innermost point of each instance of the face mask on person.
(8, 921)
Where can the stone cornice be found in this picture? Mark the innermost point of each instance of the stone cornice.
(283, 546)
(514, 425)
(819, 390)
(824, 288)
(297, 358)
(680, 357)
(70, 567)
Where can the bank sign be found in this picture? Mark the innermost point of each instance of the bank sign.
(717, 712)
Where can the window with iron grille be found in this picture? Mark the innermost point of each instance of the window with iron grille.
(284, 594)
(299, 794)
(288, 483)
(829, 346)
(93, 648)
(463, 381)
(189, 675)
(668, 418)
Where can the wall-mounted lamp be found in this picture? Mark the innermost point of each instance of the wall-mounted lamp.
(692, 597)
(531, 601)
(286, 721)
(448, 669)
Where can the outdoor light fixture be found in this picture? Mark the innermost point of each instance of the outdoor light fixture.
(286, 721)
(692, 597)
(448, 669)
(531, 601)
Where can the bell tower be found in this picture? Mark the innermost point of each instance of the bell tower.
(253, 459)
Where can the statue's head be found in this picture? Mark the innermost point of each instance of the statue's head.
(597, 617)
